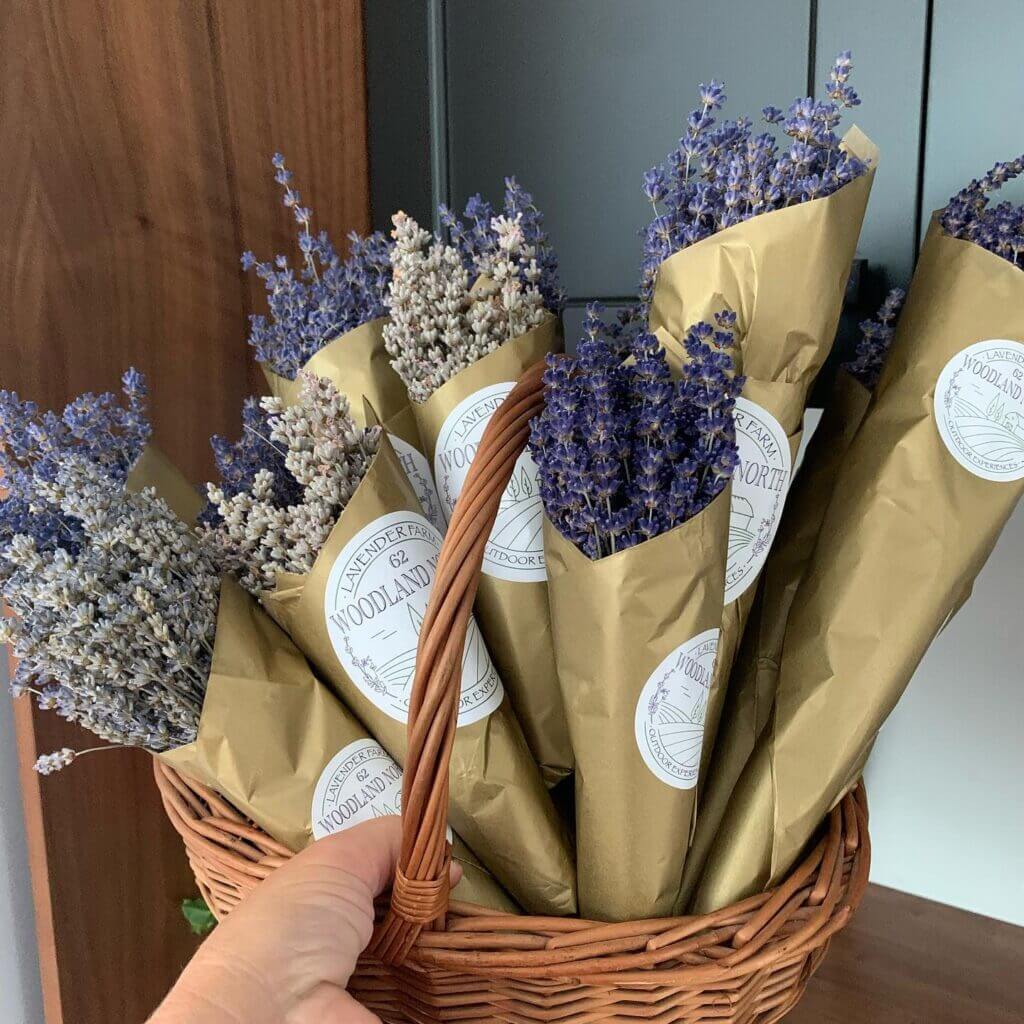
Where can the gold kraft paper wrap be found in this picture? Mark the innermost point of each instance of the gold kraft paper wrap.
(783, 273)
(749, 697)
(357, 363)
(615, 620)
(513, 615)
(907, 531)
(499, 804)
(154, 469)
(268, 729)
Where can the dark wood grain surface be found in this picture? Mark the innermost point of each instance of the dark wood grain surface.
(136, 139)
(906, 960)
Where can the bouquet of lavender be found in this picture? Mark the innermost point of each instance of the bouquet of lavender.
(470, 311)
(315, 515)
(925, 487)
(770, 231)
(751, 692)
(634, 470)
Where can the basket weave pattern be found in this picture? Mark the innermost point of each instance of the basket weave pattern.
(433, 959)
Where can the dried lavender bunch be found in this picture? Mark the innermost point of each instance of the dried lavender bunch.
(439, 326)
(99, 428)
(624, 452)
(238, 463)
(325, 298)
(876, 337)
(122, 627)
(999, 228)
(721, 175)
(277, 519)
(479, 244)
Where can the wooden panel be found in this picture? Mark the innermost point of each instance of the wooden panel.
(579, 98)
(137, 139)
(888, 74)
(905, 960)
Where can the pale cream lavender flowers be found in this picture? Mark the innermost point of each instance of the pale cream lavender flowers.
(252, 535)
(440, 321)
(116, 629)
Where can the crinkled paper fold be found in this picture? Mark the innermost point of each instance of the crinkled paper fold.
(512, 612)
(906, 533)
(623, 625)
(499, 804)
(269, 728)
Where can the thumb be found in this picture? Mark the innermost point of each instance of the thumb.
(329, 1004)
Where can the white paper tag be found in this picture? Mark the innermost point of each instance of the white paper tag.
(361, 782)
(376, 597)
(417, 469)
(979, 409)
(515, 549)
(759, 488)
(670, 714)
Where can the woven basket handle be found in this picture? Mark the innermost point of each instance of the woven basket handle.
(419, 897)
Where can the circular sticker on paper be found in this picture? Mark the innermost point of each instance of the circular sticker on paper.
(515, 549)
(377, 593)
(361, 782)
(759, 488)
(417, 469)
(979, 409)
(670, 713)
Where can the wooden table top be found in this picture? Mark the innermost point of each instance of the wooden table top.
(905, 960)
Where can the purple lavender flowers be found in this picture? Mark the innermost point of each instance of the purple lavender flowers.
(626, 453)
(326, 298)
(876, 337)
(720, 175)
(33, 444)
(478, 243)
(999, 228)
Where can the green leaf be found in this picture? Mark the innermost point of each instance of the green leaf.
(199, 916)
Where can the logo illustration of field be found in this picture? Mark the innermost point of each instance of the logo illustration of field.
(979, 409)
(672, 708)
(376, 596)
(515, 549)
(759, 489)
(417, 469)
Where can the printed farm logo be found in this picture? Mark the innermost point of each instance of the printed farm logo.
(376, 596)
(515, 550)
(979, 409)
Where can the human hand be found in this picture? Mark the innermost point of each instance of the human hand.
(286, 954)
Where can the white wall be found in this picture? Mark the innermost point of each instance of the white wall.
(20, 995)
(945, 780)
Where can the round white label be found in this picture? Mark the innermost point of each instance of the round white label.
(979, 409)
(417, 469)
(670, 713)
(377, 594)
(759, 488)
(515, 549)
(361, 782)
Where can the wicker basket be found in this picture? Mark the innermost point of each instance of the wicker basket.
(435, 960)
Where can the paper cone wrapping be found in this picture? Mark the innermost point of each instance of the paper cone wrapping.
(512, 602)
(636, 635)
(154, 469)
(750, 694)
(284, 751)
(924, 491)
(357, 363)
(357, 616)
(360, 368)
(784, 274)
